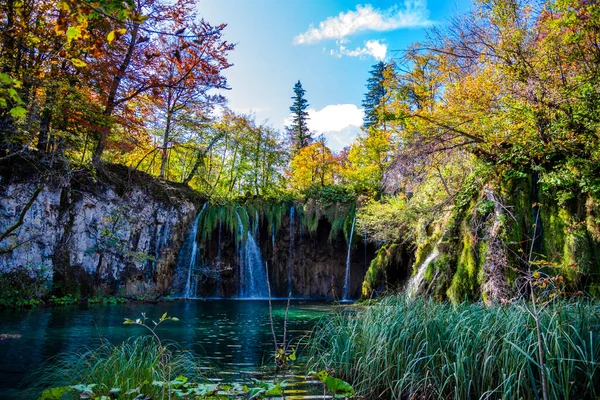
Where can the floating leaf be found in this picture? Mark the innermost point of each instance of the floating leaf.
(54, 393)
(338, 386)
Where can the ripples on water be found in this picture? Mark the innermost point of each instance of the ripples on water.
(233, 338)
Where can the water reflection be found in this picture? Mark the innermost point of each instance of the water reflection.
(234, 336)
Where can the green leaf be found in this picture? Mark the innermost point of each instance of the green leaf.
(163, 317)
(255, 392)
(18, 112)
(54, 393)
(292, 356)
(5, 78)
(338, 386)
(74, 32)
(322, 375)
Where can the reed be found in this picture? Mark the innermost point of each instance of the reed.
(134, 364)
(422, 348)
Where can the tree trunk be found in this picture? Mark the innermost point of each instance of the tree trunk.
(165, 147)
(112, 96)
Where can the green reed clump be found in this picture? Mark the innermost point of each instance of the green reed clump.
(400, 348)
(131, 367)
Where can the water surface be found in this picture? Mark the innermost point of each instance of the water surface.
(232, 335)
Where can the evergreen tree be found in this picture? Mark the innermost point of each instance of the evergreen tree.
(299, 134)
(374, 96)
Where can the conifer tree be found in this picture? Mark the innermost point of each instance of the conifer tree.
(298, 132)
(374, 96)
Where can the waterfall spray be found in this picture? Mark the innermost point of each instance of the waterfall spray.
(253, 277)
(291, 249)
(347, 277)
(415, 282)
(192, 244)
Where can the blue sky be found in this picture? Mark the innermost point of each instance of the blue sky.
(329, 45)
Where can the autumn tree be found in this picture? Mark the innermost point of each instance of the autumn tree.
(131, 63)
(189, 71)
(298, 132)
(313, 165)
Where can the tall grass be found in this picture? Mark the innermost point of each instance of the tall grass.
(135, 363)
(400, 348)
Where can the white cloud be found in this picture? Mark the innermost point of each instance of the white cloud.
(367, 18)
(335, 117)
(373, 48)
(338, 122)
(336, 141)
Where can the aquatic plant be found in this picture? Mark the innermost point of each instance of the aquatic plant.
(422, 348)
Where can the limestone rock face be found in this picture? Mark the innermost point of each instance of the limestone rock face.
(92, 236)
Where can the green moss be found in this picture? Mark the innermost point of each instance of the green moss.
(376, 274)
(465, 282)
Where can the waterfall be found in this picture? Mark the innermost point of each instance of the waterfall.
(253, 277)
(240, 253)
(219, 285)
(219, 240)
(347, 277)
(415, 281)
(365, 243)
(188, 255)
(273, 237)
(291, 249)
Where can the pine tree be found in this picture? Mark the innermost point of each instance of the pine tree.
(374, 96)
(299, 134)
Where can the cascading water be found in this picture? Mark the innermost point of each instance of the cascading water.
(365, 250)
(188, 257)
(273, 237)
(253, 277)
(219, 289)
(346, 294)
(415, 281)
(291, 249)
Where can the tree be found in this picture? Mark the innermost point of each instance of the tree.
(298, 132)
(375, 96)
(190, 71)
(130, 65)
(313, 165)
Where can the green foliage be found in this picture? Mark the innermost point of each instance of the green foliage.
(335, 386)
(422, 348)
(64, 300)
(376, 275)
(131, 367)
(24, 287)
(106, 300)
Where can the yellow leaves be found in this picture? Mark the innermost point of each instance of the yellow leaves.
(74, 32)
(115, 35)
(78, 63)
(64, 6)
(313, 164)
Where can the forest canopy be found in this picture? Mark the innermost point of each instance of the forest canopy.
(506, 90)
